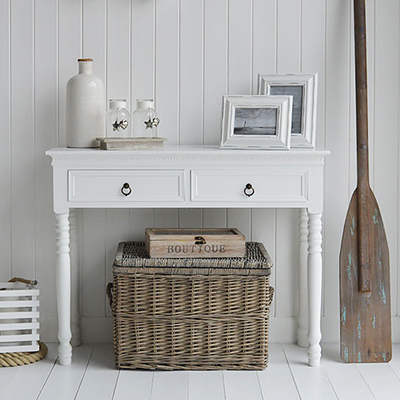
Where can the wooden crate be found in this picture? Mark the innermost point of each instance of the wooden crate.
(19, 318)
(117, 143)
(195, 243)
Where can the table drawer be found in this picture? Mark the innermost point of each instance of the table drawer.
(140, 185)
(289, 185)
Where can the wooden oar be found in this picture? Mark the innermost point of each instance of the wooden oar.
(365, 324)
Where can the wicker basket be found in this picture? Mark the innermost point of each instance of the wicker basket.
(198, 314)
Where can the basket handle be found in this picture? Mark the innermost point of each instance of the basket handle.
(22, 280)
(271, 295)
(109, 293)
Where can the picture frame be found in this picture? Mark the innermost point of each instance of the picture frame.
(303, 88)
(256, 122)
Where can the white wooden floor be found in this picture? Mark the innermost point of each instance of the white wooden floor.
(92, 377)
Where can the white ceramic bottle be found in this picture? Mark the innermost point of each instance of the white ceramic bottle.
(85, 107)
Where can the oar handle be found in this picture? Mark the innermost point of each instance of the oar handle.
(364, 277)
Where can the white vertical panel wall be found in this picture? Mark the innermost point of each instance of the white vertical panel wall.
(187, 54)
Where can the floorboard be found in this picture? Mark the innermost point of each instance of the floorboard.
(134, 385)
(346, 379)
(100, 378)
(64, 381)
(395, 363)
(29, 380)
(240, 385)
(170, 385)
(206, 385)
(381, 379)
(276, 380)
(312, 383)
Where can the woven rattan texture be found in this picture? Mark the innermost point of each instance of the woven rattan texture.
(132, 258)
(190, 322)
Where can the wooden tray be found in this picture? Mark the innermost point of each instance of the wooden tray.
(195, 243)
(117, 143)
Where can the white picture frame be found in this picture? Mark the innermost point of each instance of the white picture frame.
(303, 88)
(256, 122)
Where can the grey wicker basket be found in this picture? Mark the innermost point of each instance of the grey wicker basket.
(191, 314)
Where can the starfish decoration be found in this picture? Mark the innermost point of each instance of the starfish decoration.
(149, 123)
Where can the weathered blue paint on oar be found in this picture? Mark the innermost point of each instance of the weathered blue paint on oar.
(383, 293)
(375, 217)
(353, 227)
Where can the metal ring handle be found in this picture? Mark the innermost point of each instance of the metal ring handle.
(126, 189)
(249, 190)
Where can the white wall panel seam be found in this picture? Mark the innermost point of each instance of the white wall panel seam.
(398, 175)
(301, 37)
(203, 72)
(57, 62)
(130, 78)
(227, 59)
(81, 27)
(34, 133)
(252, 47)
(10, 137)
(178, 109)
(154, 54)
(106, 58)
(277, 36)
(203, 83)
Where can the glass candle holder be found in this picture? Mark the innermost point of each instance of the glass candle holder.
(144, 119)
(118, 119)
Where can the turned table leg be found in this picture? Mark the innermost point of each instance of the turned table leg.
(302, 320)
(314, 287)
(74, 254)
(63, 287)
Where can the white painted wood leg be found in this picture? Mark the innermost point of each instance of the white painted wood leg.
(63, 287)
(75, 279)
(314, 287)
(302, 320)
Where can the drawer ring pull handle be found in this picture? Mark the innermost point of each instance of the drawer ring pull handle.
(249, 190)
(126, 189)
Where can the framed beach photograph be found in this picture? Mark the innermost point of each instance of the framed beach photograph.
(256, 122)
(303, 88)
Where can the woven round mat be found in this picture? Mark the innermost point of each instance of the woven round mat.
(15, 359)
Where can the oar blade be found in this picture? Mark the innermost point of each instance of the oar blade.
(365, 318)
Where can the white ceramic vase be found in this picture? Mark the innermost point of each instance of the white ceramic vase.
(85, 107)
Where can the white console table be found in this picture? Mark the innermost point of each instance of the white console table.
(191, 177)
